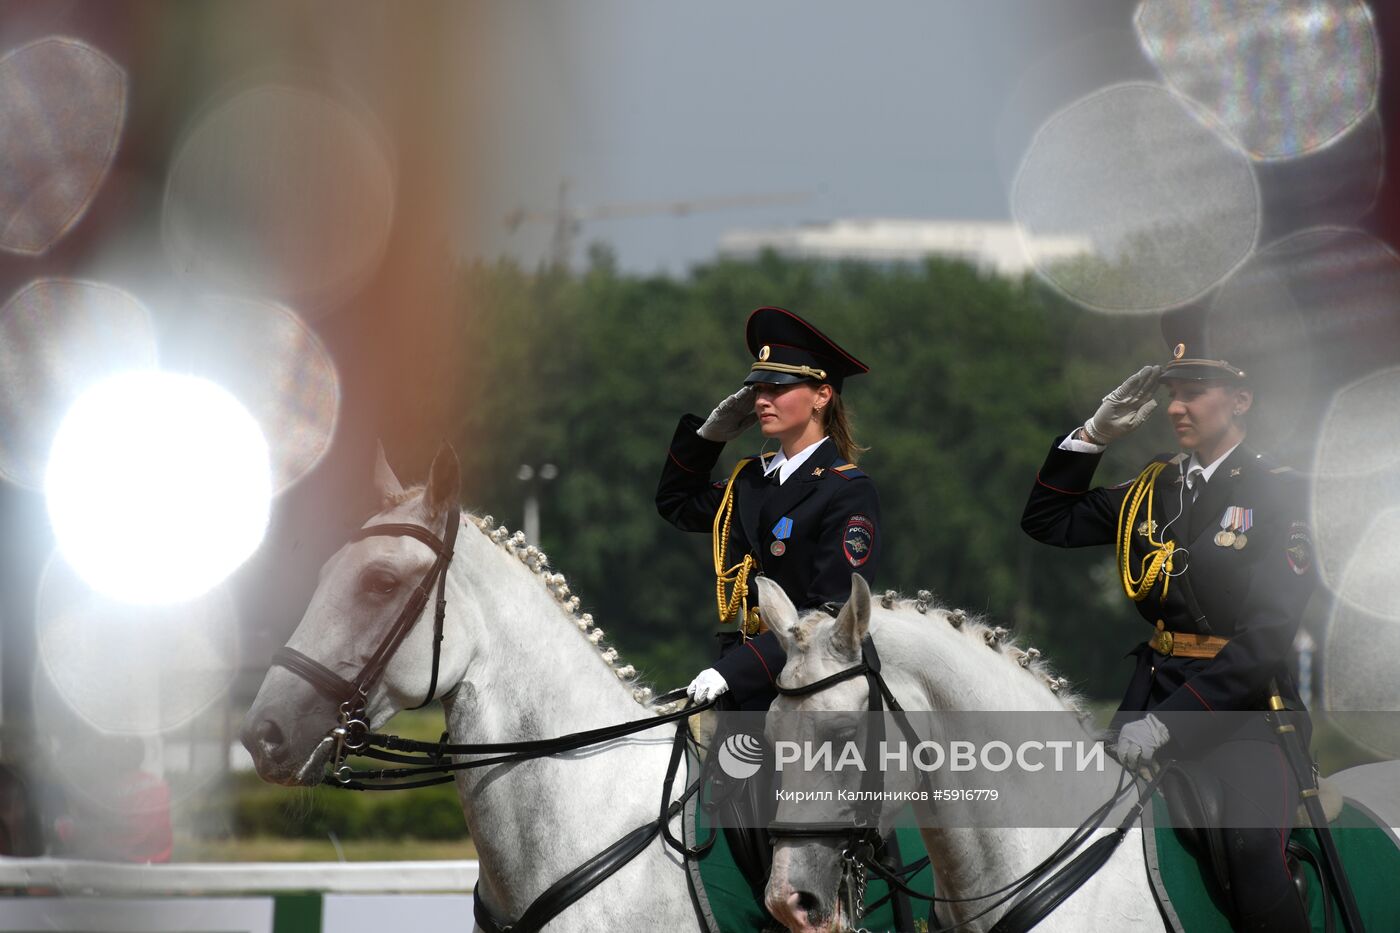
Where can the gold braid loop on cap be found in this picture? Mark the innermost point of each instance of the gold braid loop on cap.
(1157, 559)
(771, 367)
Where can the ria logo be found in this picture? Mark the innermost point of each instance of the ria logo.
(741, 755)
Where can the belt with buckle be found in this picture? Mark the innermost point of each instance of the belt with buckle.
(1185, 644)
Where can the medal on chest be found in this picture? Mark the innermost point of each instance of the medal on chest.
(781, 532)
(1233, 527)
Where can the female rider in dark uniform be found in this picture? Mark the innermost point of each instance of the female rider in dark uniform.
(1214, 548)
(804, 515)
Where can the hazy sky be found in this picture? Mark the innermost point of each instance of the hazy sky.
(891, 109)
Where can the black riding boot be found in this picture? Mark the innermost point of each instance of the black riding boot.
(1286, 916)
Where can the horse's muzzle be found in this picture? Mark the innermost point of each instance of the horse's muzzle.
(276, 758)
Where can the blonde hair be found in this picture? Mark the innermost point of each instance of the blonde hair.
(836, 419)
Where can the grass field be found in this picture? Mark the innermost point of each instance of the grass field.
(274, 849)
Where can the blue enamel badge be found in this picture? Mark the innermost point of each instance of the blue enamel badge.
(783, 529)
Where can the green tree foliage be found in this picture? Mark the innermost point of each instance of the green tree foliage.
(972, 377)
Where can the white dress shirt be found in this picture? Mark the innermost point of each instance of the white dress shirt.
(1207, 471)
(788, 465)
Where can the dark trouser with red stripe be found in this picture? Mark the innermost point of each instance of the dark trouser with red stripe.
(1260, 802)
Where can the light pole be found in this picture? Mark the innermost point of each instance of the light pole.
(527, 474)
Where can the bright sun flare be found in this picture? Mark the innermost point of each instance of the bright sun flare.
(158, 486)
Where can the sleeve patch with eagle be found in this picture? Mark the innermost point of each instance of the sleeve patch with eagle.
(859, 540)
(1299, 548)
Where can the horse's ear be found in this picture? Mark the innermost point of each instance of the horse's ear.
(385, 482)
(444, 480)
(778, 611)
(853, 621)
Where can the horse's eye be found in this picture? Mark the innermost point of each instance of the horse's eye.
(378, 582)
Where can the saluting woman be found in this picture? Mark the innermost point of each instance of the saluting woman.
(1213, 547)
(803, 515)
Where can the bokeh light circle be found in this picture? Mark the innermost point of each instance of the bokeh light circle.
(1353, 442)
(158, 486)
(1346, 281)
(122, 694)
(1356, 476)
(1363, 637)
(1256, 320)
(273, 363)
(130, 669)
(1285, 77)
(1169, 205)
(57, 338)
(1331, 187)
(62, 107)
(280, 192)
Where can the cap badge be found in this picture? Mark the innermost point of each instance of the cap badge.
(764, 352)
(1178, 351)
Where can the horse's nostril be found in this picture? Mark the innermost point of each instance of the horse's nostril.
(270, 735)
(808, 902)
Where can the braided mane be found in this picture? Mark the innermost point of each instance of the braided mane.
(535, 559)
(1026, 661)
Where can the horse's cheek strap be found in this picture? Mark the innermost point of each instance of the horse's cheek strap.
(440, 612)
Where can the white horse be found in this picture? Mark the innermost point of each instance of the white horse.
(518, 662)
(933, 659)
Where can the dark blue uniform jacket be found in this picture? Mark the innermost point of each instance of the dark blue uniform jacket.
(1253, 596)
(827, 518)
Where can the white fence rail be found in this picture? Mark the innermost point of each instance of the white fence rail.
(257, 897)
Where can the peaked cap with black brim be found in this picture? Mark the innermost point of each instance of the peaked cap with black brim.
(1192, 357)
(786, 349)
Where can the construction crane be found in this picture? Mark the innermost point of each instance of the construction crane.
(568, 220)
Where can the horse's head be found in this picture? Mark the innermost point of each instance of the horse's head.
(803, 886)
(365, 589)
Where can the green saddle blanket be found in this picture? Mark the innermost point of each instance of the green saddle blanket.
(727, 903)
(1369, 851)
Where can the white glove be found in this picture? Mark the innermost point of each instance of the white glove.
(1125, 408)
(1139, 740)
(731, 417)
(708, 685)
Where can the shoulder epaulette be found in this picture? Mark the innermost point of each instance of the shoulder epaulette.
(847, 471)
(757, 461)
(1163, 459)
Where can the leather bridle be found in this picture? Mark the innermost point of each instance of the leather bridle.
(863, 827)
(352, 731)
(1033, 896)
(353, 737)
(863, 842)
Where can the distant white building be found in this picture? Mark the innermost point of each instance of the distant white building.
(997, 246)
